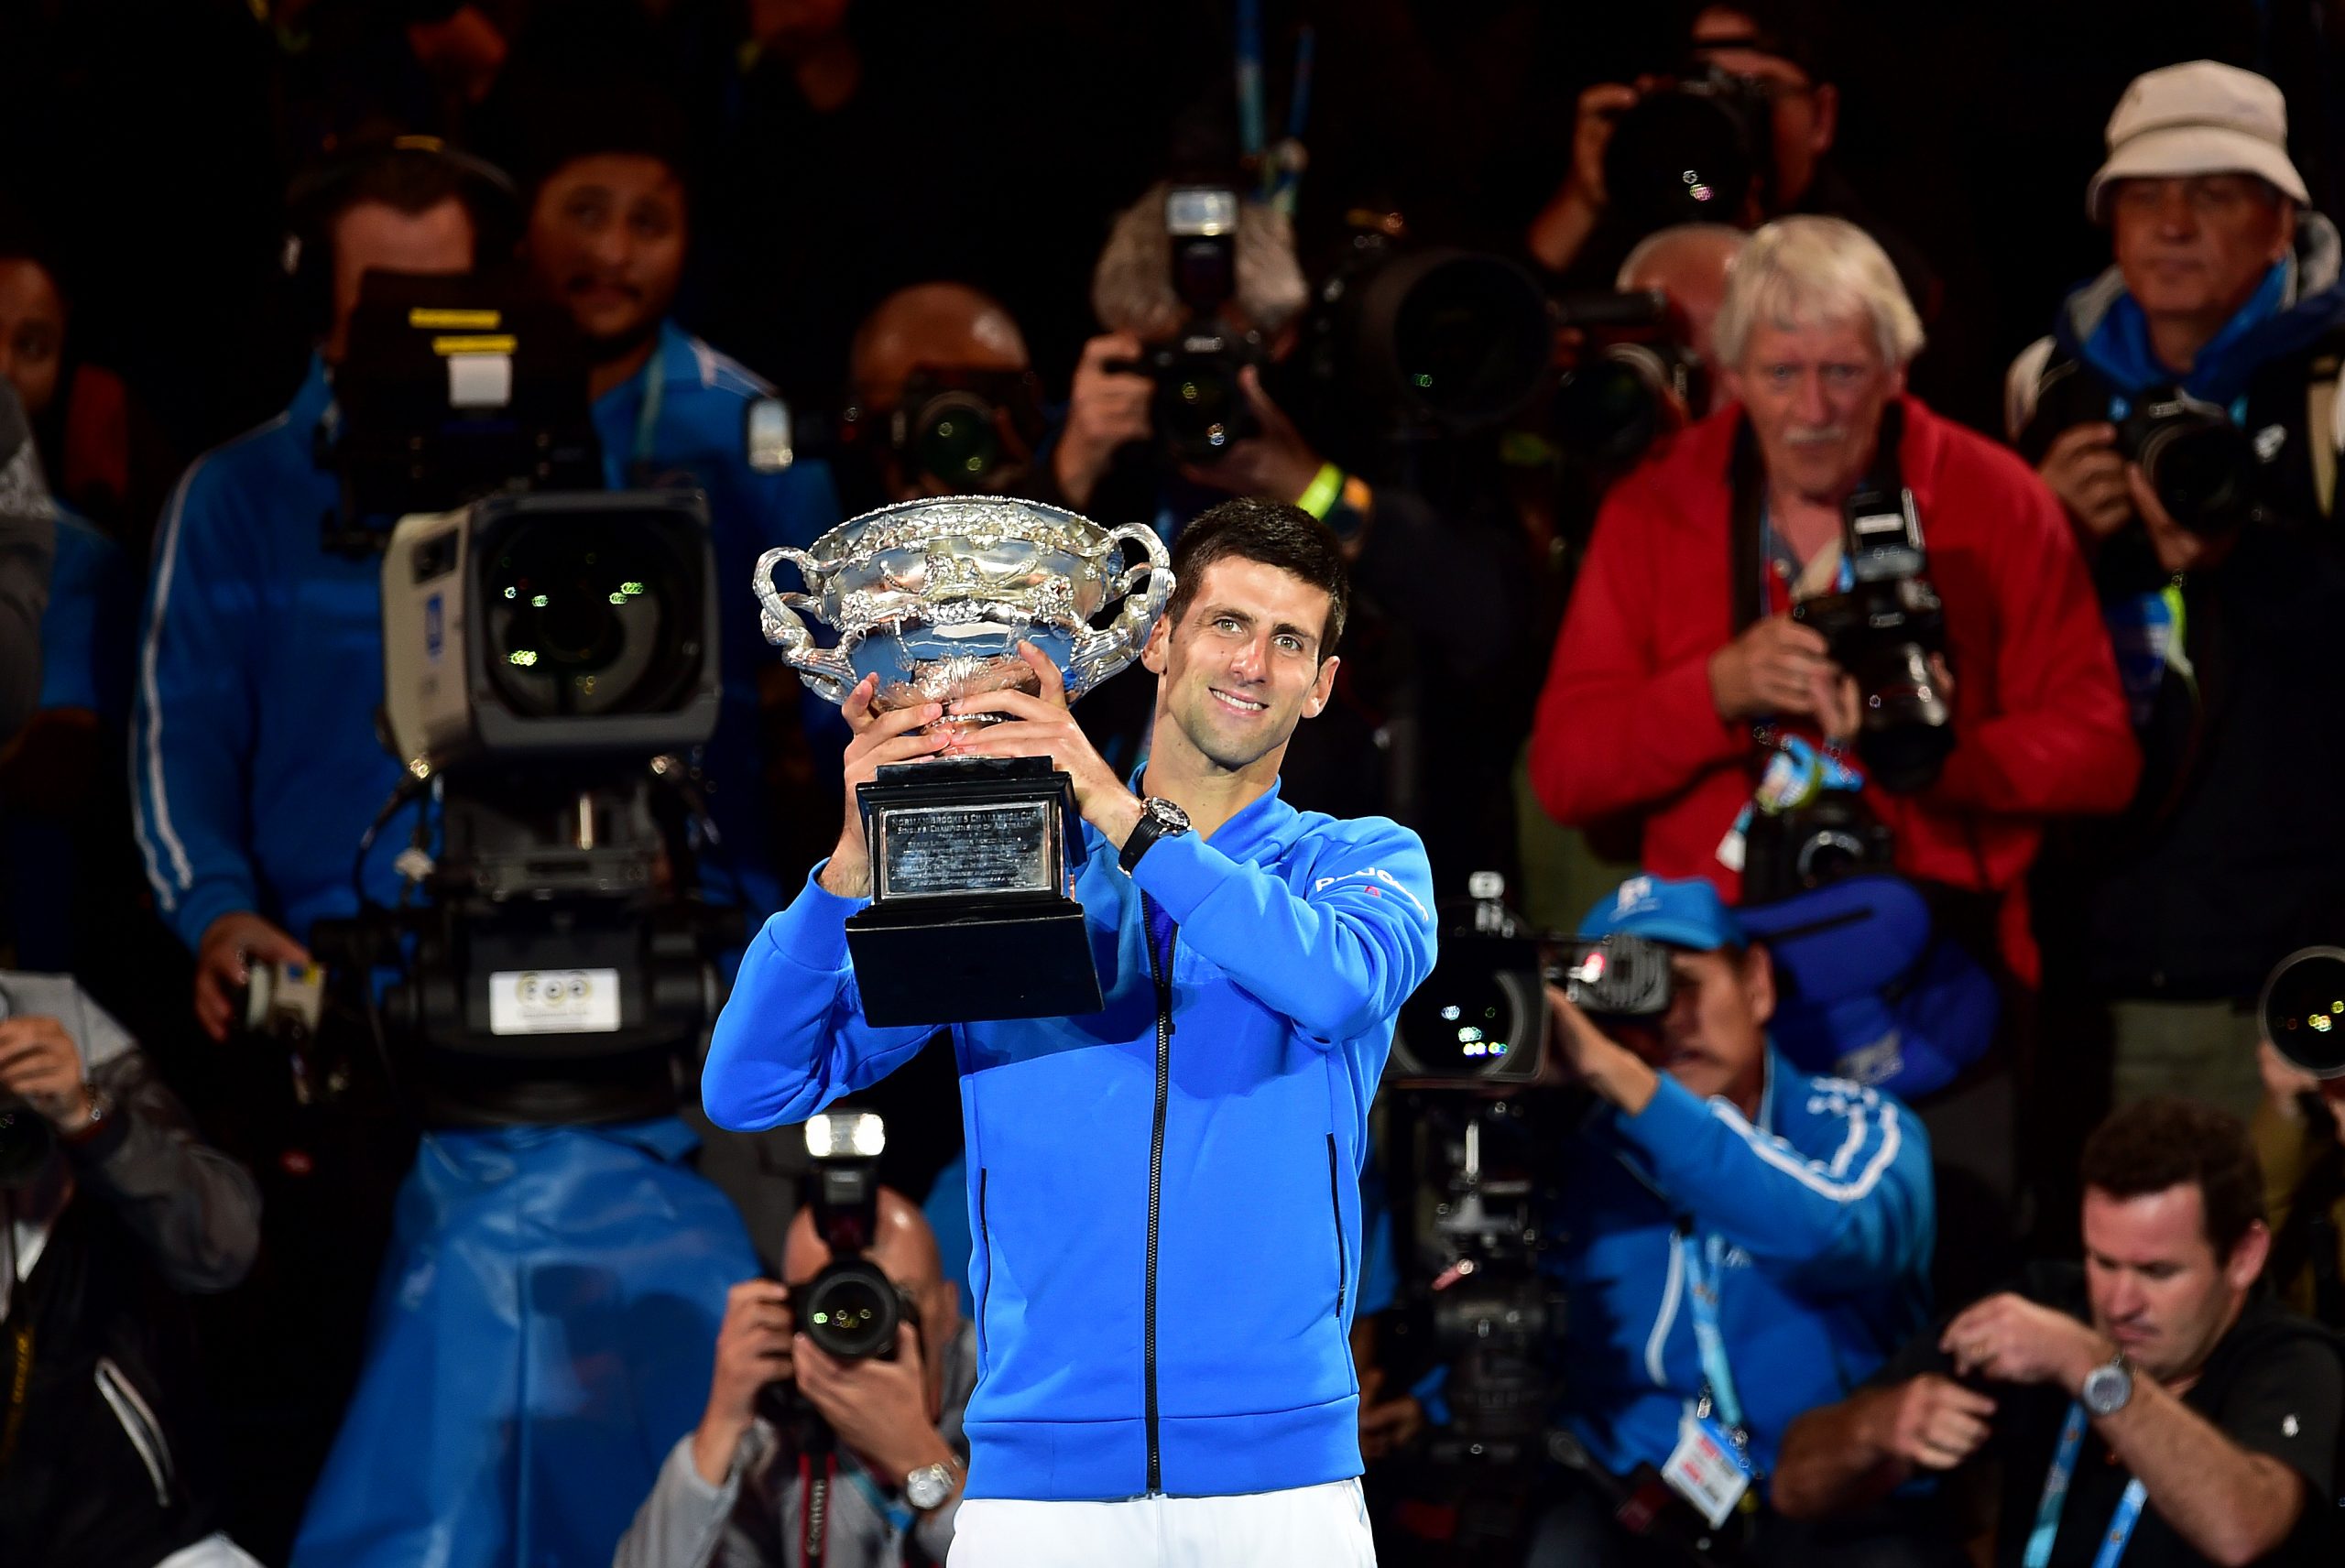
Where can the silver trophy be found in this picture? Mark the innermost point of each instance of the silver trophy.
(972, 859)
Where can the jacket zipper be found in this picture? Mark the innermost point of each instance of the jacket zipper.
(1335, 1202)
(139, 1425)
(985, 1235)
(1160, 969)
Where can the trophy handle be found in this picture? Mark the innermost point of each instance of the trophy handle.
(1099, 654)
(824, 669)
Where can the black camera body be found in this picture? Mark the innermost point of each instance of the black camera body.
(1882, 630)
(1200, 409)
(25, 1137)
(1480, 1018)
(1634, 381)
(969, 432)
(1698, 148)
(2202, 466)
(850, 1308)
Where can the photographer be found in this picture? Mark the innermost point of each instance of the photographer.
(28, 555)
(1099, 461)
(2156, 1403)
(733, 1493)
(255, 758)
(944, 395)
(1686, 670)
(111, 1211)
(1744, 1241)
(1769, 48)
(2184, 411)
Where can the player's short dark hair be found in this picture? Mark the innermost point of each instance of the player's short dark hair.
(1275, 533)
(2163, 1142)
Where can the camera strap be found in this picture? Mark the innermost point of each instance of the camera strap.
(2055, 1496)
(814, 1523)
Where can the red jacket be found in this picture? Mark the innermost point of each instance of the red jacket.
(1626, 725)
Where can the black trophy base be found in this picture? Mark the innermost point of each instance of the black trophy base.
(962, 965)
(970, 918)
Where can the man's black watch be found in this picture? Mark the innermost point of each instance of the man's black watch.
(1157, 818)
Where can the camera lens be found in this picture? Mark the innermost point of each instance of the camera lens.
(1611, 409)
(1908, 729)
(1199, 406)
(1467, 1024)
(2303, 1012)
(953, 441)
(588, 617)
(1470, 337)
(1679, 157)
(2201, 466)
(851, 1310)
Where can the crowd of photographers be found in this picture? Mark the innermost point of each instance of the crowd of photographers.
(1927, 807)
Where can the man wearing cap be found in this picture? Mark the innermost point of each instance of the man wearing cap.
(2223, 307)
(1744, 1242)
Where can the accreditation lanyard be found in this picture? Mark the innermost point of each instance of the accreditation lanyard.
(1705, 1263)
(646, 414)
(2055, 1496)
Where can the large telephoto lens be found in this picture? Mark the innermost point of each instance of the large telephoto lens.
(588, 616)
(2303, 1011)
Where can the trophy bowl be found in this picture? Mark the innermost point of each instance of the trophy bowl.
(933, 596)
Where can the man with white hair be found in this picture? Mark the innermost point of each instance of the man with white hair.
(1682, 679)
(2185, 409)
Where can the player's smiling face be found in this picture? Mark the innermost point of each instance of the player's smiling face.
(1243, 667)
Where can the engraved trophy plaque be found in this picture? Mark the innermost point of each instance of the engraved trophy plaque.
(973, 859)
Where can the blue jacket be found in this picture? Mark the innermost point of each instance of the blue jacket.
(1826, 1215)
(1187, 1336)
(255, 764)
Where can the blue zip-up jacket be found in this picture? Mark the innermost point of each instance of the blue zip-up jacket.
(1825, 1211)
(1165, 1203)
(254, 764)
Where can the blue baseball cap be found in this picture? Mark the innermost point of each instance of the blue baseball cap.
(1687, 913)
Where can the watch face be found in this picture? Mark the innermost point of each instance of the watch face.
(927, 1487)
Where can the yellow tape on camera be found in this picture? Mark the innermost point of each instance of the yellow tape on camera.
(503, 344)
(431, 319)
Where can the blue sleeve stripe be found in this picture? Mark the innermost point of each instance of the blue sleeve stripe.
(157, 829)
(1812, 1174)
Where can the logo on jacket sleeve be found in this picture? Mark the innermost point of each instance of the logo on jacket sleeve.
(1378, 880)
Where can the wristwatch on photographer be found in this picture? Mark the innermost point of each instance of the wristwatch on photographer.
(928, 1487)
(1157, 818)
(2109, 1386)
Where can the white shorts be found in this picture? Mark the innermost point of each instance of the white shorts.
(1305, 1527)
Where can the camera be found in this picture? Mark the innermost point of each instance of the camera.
(1635, 379)
(2202, 466)
(1882, 630)
(1481, 1016)
(25, 1137)
(538, 626)
(1834, 835)
(1699, 149)
(851, 1309)
(970, 432)
(1402, 339)
(2302, 1010)
(1200, 409)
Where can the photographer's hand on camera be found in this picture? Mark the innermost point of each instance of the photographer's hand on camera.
(1562, 227)
(2009, 1339)
(1107, 409)
(231, 945)
(2177, 548)
(877, 1408)
(879, 738)
(40, 1062)
(1587, 1054)
(753, 1348)
(1277, 464)
(2083, 467)
(1386, 1426)
(1776, 667)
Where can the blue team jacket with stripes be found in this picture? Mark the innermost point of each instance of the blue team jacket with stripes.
(1166, 1229)
(1824, 1209)
(254, 764)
